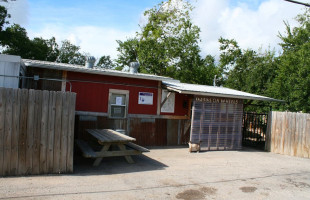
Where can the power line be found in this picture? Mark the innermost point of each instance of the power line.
(297, 2)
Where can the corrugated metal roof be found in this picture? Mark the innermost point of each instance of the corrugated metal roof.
(205, 90)
(83, 69)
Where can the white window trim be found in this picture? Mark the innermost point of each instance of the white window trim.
(115, 91)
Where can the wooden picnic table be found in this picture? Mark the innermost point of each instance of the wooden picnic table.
(106, 138)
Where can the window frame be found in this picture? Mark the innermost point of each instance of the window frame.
(120, 92)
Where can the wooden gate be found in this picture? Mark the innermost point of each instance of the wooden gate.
(36, 131)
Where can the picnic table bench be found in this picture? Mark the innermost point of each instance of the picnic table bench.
(106, 138)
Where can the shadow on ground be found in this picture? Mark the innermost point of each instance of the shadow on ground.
(115, 165)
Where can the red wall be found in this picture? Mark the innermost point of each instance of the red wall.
(179, 108)
(94, 97)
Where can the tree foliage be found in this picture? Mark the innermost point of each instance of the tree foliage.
(247, 70)
(167, 45)
(15, 41)
(128, 52)
(105, 62)
(292, 82)
(70, 53)
(285, 77)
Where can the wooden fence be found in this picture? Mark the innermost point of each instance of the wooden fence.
(36, 131)
(289, 134)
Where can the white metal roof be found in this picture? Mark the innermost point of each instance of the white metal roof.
(214, 91)
(83, 69)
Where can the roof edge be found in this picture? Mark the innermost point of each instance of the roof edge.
(262, 98)
(82, 69)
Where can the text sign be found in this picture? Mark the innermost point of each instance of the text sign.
(145, 98)
(217, 100)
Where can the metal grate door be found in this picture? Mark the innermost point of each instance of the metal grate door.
(217, 124)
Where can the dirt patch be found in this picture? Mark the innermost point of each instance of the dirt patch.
(209, 190)
(248, 189)
(298, 184)
(266, 194)
(190, 194)
(171, 182)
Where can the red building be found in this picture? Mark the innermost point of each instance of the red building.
(153, 109)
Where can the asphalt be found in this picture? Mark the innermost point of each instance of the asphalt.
(172, 173)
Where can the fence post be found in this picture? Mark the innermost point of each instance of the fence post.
(268, 134)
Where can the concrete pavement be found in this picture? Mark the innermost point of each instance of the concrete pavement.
(173, 173)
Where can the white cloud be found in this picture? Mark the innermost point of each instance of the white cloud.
(19, 11)
(250, 28)
(97, 41)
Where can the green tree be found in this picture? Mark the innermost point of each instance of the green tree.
(247, 70)
(70, 53)
(128, 52)
(105, 62)
(3, 17)
(44, 49)
(16, 42)
(292, 82)
(167, 44)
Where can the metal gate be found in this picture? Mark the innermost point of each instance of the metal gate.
(254, 129)
(217, 123)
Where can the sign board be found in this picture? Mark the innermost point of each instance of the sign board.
(145, 98)
(118, 100)
(168, 106)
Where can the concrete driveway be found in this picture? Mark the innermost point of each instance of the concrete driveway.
(173, 173)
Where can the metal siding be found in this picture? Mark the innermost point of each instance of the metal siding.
(44, 84)
(217, 125)
(94, 96)
(9, 69)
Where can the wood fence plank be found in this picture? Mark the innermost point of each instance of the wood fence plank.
(287, 141)
(8, 132)
(296, 130)
(292, 133)
(15, 131)
(36, 131)
(288, 135)
(30, 131)
(280, 133)
(308, 134)
(43, 137)
(58, 120)
(268, 134)
(22, 133)
(37, 134)
(304, 137)
(273, 131)
(295, 134)
(64, 133)
(283, 133)
(2, 117)
(72, 98)
(300, 135)
(51, 131)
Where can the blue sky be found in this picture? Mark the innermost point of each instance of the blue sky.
(121, 14)
(95, 25)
